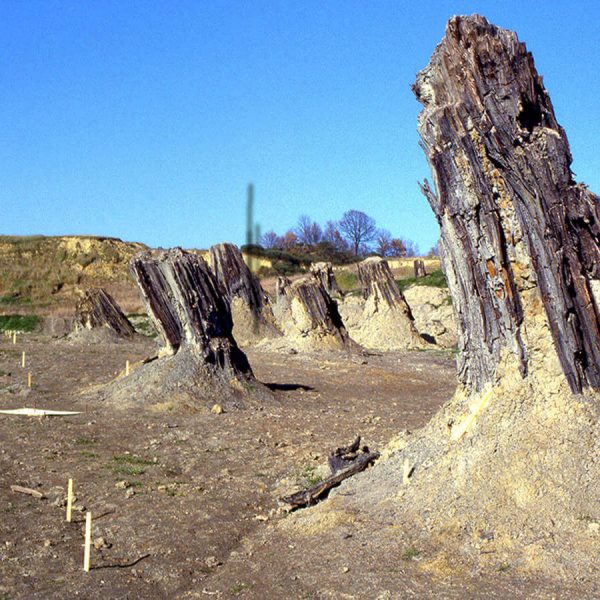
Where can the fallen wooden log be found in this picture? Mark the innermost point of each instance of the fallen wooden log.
(317, 491)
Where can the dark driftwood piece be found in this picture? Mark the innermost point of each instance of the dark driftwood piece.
(323, 273)
(348, 459)
(511, 215)
(419, 267)
(188, 309)
(97, 308)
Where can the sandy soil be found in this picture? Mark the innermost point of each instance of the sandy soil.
(198, 513)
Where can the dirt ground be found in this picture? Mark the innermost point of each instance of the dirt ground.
(185, 501)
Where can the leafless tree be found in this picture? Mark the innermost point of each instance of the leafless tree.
(397, 247)
(269, 239)
(308, 231)
(412, 249)
(358, 228)
(383, 243)
(332, 235)
(287, 240)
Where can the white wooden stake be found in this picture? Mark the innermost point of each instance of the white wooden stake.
(23, 359)
(88, 541)
(29, 379)
(126, 367)
(69, 500)
(14, 337)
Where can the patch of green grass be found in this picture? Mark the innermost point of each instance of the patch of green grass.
(128, 464)
(14, 299)
(128, 470)
(410, 553)
(239, 587)
(130, 459)
(135, 483)
(347, 280)
(89, 454)
(503, 568)
(310, 477)
(434, 279)
(19, 322)
(84, 441)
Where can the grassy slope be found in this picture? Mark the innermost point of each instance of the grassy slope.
(39, 274)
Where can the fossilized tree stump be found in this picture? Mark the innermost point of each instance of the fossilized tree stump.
(281, 285)
(309, 317)
(419, 268)
(97, 310)
(323, 273)
(251, 310)
(515, 451)
(383, 321)
(190, 312)
(519, 235)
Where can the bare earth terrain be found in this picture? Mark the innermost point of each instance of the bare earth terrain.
(185, 500)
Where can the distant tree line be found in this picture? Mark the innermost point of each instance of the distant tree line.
(354, 235)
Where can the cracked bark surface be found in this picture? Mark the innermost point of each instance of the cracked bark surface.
(323, 273)
(250, 306)
(97, 309)
(189, 311)
(309, 317)
(511, 216)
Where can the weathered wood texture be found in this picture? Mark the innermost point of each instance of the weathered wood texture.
(281, 285)
(307, 313)
(344, 463)
(419, 267)
(187, 308)
(377, 281)
(234, 276)
(251, 309)
(98, 309)
(512, 218)
(323, 273)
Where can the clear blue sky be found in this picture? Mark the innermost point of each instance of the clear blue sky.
(146, 120)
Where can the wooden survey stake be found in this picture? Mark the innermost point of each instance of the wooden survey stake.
(23, 359)
(126, 367)
(69, 500)
(88, 541)
(29, 379)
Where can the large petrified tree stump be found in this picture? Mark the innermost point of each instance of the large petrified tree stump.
(517, 230)
(513, 457)
(193, 318)
(323, 273)
(309, 317)
(98, 312)
(383, 320)
(250, 307)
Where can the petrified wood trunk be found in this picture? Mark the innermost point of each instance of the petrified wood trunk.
(235, 277)
(383, 321)
(281, 285)
(323, 273)
(97, 309)
(419, 267)
(309, 317)
(519, 237)
(251, 310)
(515, 451)
(189, 311)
